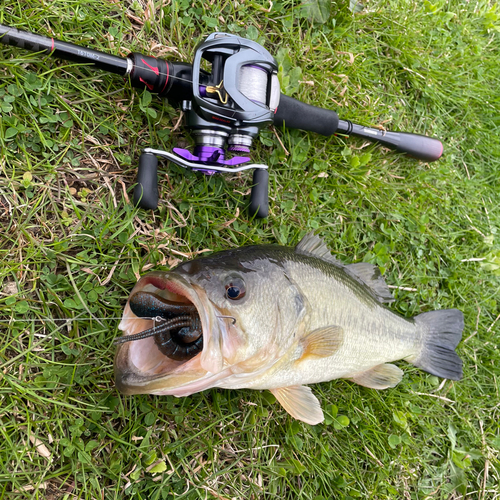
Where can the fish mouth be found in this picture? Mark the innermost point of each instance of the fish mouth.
(140, 365)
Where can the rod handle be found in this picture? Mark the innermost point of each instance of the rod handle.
(417, 146)
(297, 114)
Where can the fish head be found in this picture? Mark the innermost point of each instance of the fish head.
(246, 306)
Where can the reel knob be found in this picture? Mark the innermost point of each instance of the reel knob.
(259, 199)
(146, 190)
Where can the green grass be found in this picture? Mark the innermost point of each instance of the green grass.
(72, 246)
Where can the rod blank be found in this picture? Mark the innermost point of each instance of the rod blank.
(63, 50)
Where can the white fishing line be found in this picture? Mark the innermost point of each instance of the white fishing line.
(253, 83)
(71, 319)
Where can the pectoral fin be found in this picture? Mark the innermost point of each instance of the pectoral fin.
(300, 403)
(379, 377)
(322, 342)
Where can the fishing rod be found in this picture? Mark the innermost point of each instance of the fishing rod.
(224, 108)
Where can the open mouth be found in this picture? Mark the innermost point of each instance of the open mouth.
(177, 329)
(175, 340)
(163, 322)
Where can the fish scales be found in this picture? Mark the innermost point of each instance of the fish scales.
(278, 318)
(369, 327)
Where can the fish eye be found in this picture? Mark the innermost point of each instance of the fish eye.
(235, 288)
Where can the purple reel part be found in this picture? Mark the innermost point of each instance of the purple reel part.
(239, 148)
(206, 155)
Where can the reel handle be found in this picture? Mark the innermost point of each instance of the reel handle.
(146, 190)
(259, 198)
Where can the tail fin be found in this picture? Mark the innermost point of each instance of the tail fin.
(442, 332)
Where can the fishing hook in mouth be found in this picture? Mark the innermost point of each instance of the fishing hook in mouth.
(158, 319)
(233, 322)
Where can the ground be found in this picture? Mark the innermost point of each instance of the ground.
(72, 246)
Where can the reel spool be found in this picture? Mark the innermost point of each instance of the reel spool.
(229, 105)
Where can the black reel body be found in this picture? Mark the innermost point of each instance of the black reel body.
(229, 105)
(242, 88)
(225, 107)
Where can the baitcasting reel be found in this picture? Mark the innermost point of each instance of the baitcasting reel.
(224, 107)
(229, 105)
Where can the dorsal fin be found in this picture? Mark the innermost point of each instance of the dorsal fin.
(371, 276)
(314, 246)
(368, 274)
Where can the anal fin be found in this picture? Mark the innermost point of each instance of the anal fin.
(379, 377)
(300, 403)
(322, 342)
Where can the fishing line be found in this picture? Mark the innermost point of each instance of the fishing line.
(173, 77)
(152, 318)
(253, 83)
(155, 318)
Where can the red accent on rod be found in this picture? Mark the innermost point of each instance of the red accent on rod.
(155, 70)
(442, 149)
(166, 81)
(148, 85)
(53, 45)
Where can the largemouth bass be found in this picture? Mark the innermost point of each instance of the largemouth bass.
(277, 318)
